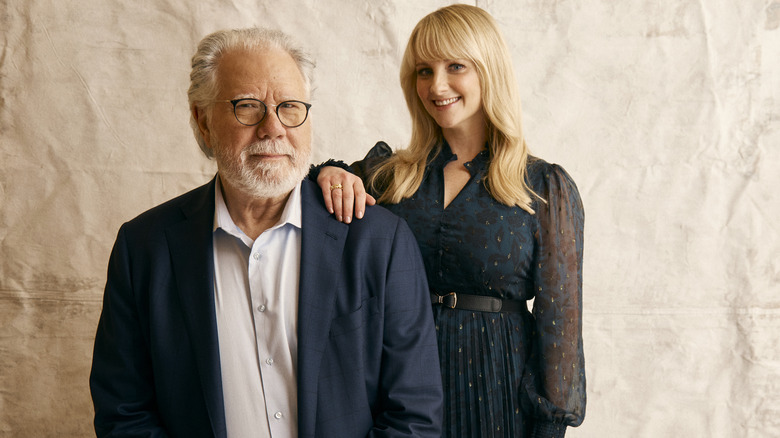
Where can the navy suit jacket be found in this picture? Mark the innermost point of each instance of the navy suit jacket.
(367, 355)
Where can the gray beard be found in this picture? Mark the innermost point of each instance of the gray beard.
(263, 180)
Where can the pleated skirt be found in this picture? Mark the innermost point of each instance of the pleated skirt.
(483, 357)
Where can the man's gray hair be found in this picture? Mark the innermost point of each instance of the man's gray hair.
(203, 77)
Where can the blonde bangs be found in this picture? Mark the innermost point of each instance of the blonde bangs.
(441, 40)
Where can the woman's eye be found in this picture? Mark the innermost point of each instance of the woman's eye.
(424, 72)
(457, 67)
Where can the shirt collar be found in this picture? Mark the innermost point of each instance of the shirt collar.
(290, 215)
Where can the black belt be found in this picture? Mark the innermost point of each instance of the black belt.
(479, 303)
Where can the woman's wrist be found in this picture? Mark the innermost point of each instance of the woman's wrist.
(314, 170)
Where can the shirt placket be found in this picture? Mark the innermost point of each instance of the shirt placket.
(268, 334)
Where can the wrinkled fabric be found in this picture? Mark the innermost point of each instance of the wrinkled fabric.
(665, 113)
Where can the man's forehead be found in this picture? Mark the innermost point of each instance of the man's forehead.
(268, 69)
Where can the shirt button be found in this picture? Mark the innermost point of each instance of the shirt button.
(278, 415)
(256, 256)
(261, 308)
(269, 361)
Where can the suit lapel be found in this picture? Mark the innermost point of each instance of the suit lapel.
(322, 247)
(191, 247)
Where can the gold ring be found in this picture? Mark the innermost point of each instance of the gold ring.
(336, 186)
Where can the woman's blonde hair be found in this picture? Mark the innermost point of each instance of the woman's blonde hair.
(462, 32)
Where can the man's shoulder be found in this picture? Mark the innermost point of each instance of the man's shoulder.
(374, 213)
(175, 209)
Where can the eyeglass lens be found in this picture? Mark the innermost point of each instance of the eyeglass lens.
(251, 112)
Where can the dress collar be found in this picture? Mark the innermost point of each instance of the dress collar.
(445, 155)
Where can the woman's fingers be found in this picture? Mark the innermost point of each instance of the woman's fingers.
(344, 193)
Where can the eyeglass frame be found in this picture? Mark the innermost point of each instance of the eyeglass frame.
(234, 102)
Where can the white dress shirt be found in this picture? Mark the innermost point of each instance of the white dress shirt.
(256, 296)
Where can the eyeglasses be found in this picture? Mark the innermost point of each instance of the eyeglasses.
(250, 112)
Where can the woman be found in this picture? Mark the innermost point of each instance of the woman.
(496, 228)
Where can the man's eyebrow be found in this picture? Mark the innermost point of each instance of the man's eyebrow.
(244, 96)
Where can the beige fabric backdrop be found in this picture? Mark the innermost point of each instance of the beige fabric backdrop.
(666, 113)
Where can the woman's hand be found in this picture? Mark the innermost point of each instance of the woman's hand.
(343, 193)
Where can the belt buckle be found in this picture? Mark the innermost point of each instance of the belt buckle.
(454, 299)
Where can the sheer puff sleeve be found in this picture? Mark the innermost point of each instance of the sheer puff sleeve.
(554, 381)
(362, 168)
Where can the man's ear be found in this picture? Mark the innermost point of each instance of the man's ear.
(199, 114)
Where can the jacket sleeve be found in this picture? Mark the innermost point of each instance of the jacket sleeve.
(121, 378)
(410, 395)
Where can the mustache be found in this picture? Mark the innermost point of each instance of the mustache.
(272, 147)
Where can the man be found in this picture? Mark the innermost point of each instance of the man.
(242, 308)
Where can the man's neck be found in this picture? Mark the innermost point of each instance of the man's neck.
(252, 215)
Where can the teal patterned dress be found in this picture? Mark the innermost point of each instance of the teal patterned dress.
(505, 374)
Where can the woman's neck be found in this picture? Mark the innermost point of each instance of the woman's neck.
(466, 145)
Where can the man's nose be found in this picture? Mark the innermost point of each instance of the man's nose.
(270, 126)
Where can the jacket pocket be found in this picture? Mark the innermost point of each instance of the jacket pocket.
(355, 320)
